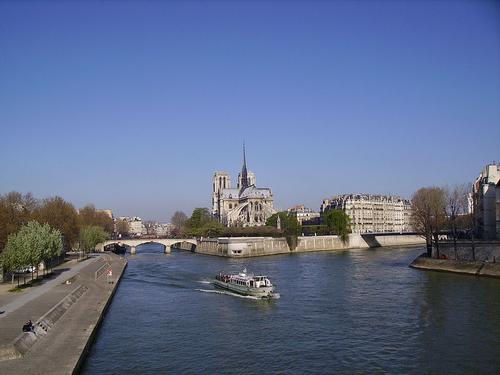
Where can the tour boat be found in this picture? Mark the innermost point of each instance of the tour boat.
(246, 284)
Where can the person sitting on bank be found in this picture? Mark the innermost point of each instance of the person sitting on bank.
(28, 326)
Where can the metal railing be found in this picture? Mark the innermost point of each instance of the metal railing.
(101, 270)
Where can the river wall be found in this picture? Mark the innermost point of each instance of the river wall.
(488, 251)
(236, 247)
(63, 334)
(474, 268)
(242, 246)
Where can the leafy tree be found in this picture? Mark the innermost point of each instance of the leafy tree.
(89, 216)
(288, 223)
(338, 222)
(33, 244)
(90, 236)
(259, 231)
(178, 219)
(212, 229)
(202, 223)
(199, 217)
(319, 230)
(429, 215)
(289, 226)
(61, 215)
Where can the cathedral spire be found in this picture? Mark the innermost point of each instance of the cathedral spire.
(244, 173)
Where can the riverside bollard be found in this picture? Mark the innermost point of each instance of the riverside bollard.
(109, 276)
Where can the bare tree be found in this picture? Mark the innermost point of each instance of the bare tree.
(470, 223)
(429, 215)
(61, 215)
(122, 227)
(150, 227)
(438, 214)
(16, 210)
(89, 216)
(178, 219)
(456, 205)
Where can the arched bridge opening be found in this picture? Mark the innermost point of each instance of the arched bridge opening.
(184, 245)
(167, 244)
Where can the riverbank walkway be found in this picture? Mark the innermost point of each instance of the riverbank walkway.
(61, 348)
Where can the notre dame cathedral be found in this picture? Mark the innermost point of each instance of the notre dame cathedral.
(247, 205)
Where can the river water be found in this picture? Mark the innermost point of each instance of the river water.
(358, 311)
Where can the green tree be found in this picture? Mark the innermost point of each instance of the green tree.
(90, 236)
(288, 223)
(202, 224)
(60, 215)
(289, 226)
(33, 244)
(199, 217)
(338, 222)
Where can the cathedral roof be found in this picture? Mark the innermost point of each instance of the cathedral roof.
(253, 192)
(230, 193)
(248, 192)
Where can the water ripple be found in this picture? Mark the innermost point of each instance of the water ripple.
(348, 312)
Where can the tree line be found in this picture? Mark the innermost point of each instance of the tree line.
(203, 224)
(35, 230)
(18, 209)
(434, 211)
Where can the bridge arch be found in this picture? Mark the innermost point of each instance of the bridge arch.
(183, 241)
(134, 243)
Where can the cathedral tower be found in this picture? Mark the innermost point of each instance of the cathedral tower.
(244, 173)
(220, 181)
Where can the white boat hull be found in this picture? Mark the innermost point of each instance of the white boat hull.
(262, 292)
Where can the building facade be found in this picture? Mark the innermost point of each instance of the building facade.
(485, 198)
(245, 205)
(498, 210)
(304, 214)
(136, 227)
(373, 213)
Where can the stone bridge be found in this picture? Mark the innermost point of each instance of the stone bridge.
(133, 243)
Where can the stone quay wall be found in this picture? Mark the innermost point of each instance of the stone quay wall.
(477, 268)
(64, 332)
(236, 247)
(242, 246)
(488, 251)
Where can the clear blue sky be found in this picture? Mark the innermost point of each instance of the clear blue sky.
(133, 105)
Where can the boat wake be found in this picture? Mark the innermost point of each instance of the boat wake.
(204, 282)
(228, 293)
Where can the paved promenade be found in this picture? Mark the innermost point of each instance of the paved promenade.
(60, 350)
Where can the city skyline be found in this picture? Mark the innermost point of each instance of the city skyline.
(132, 106)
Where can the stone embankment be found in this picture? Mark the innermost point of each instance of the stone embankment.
(66, 319)
(475, 268)
(236, 247)
(484, 250)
